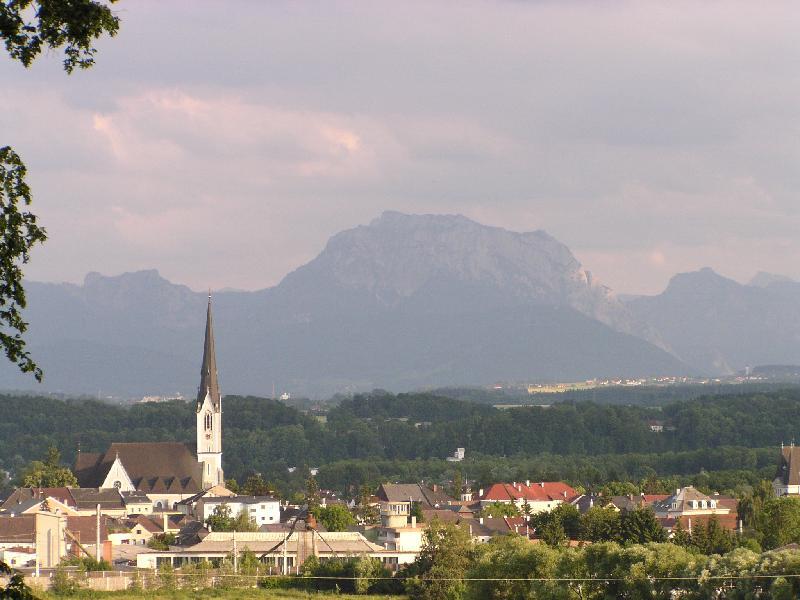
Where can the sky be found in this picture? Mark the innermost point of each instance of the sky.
(223, 143)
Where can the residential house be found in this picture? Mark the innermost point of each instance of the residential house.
(539, 497)
(787, 479)
(691, 507)
(261, 509)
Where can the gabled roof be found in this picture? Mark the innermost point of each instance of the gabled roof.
(544, 491)
(62, 494)
(18, 530)
(789, 465)
(632, 501)
(85, 528)
(89, 498)
(209, 385)
(157, 467)
(412, 492)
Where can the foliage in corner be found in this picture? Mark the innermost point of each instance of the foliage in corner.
(19, 232)
(73, 25)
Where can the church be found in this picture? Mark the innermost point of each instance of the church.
(167, 472)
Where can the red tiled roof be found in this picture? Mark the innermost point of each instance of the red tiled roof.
(536, 492)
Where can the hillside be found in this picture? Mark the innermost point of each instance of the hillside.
(407, 301)
(721, 326)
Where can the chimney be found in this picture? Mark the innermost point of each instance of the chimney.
(514, 484)
(166, 522)
(413, 522)
(591, 502)
(528, 482)
(565, 494)
(480, 493)
(435, 487)
(541, 484)
(480, 520)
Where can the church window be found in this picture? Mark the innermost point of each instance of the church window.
(117, 484)
(209, 421)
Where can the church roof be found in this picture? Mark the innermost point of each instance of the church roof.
(154, 467)
(208, 372)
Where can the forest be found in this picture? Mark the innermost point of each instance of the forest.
(720, 440)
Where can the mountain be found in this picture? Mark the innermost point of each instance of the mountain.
(721, 326)
(764, 279)
(404, 302)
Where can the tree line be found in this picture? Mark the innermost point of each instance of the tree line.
(369, 438)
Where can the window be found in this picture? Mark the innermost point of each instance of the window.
(209, 421)
(117, 484)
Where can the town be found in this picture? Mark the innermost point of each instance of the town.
(142, 513)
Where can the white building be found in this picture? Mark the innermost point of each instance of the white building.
(264, 510)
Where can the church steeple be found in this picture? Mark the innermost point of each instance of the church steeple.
(209, 411)
(209, 385)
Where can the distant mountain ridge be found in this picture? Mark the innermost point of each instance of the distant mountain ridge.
(720, 326)
(404, 302)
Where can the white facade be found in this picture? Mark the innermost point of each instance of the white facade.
(209, 442)
(263, 510)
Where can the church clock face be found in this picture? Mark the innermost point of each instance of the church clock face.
(208, 436)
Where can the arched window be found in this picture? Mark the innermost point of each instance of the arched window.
(209, 421)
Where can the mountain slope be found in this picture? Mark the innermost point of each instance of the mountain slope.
(404, 302)
(721, 326)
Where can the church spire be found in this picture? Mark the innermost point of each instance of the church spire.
(209, 385)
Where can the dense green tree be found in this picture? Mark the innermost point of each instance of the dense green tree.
(556, 526)
(781, 521)
(26, 28)
(312, 494)
(600, 524)
(222, 519)
(446, 555)
(336, 517)
(640, 526)
(255, 486)
(49, 473)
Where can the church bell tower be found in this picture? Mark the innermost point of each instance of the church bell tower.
(209, 412)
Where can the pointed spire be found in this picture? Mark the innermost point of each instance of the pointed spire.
(208, 372)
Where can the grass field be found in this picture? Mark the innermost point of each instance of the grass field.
(234, 594)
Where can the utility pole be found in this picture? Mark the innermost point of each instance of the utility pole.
(235, 554)
(97, 553)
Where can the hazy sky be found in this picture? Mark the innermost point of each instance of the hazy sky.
(223, 142)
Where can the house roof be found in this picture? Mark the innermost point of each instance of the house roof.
(19, 529)
(239, 499)
(414, 492)
(681, 498)
(543, 491)
(340, 542)
(789, 465)
(89, 498)
(154, 467)
(85, 528)
(62, 494)
(632, 501)
(146, 524)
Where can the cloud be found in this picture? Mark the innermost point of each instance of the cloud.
(649, 137)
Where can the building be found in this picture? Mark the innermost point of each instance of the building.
(787, 479)
(77, 501)
(166, 472)
(264, 510)
(407, 493)
(540, 497)
(283, 552)
(688, 502)
(209, 412)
